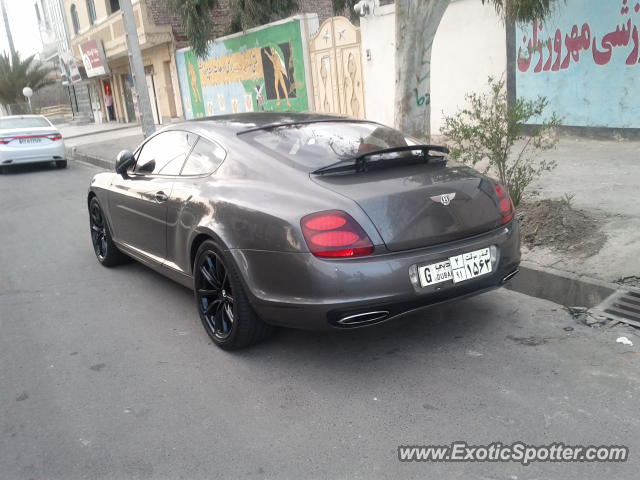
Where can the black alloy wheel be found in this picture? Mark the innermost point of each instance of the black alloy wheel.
(98, 231)
(222, 301)
(103, 246)
(215, 295)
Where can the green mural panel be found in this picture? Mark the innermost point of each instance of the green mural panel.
(259, 71)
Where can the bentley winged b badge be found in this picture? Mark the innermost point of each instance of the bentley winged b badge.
(444, 199)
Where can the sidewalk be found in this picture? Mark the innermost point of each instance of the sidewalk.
(70, 130)
(103, 153)
(604, 179)
(603, 176)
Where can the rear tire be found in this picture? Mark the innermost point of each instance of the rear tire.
(61, 163)
(223, 306)
(103, 246)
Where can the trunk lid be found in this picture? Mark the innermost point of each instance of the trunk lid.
(26, 137)
(406, 206)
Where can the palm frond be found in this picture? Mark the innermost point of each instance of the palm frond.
(251, 13)
(17, 73)
(196, 22)
(522, 10)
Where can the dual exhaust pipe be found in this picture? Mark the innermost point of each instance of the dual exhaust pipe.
(369, 318)
(363, 319)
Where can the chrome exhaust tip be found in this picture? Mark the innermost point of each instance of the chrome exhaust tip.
(363, 319)
(510, 276)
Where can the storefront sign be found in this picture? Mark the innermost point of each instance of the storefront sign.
(69, 69)
(93, 58)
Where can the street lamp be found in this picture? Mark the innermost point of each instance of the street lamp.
(28, 92)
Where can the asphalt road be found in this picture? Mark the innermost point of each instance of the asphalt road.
(108, 374)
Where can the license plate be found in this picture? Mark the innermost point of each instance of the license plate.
(29, 140)
(459, 268)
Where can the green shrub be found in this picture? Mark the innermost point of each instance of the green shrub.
(490, 134)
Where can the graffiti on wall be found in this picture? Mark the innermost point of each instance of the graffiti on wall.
(261, 70)
(585, 59)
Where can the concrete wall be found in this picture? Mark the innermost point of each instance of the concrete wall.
(378, 63)
(585, 60)
(469, 46)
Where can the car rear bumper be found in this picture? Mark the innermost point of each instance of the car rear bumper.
(33, 154)
(301, 291)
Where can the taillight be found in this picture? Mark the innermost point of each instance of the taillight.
(335, 234)
(5, 140)
(54, 137)
(505, 205)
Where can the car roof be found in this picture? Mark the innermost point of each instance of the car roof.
(21, 116)
(242, 122)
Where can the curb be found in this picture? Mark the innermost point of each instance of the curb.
(73, 154)
(556, 286)
(560, 287)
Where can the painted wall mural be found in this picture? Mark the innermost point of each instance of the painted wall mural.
(261, 70)
(585, 59)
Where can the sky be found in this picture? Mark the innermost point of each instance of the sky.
(24, 27)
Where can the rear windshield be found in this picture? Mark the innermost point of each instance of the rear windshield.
(24, 122)
(315, 145)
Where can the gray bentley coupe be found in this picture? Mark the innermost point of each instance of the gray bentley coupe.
(301, 220)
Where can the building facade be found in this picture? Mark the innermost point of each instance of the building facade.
(72, 89)
(98, 42)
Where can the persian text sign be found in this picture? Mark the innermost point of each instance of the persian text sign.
(585, 58)
(236, 67)
(93, 58)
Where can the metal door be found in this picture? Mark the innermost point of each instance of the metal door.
(336, 68)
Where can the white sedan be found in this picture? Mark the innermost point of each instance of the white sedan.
(30, 139)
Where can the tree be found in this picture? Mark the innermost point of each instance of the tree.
(416, 24)
(199, 27)
(340, 7)
(252, 13)
(17, 73)
(196, 22)
(486, 132)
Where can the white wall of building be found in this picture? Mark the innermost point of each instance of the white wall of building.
(378, 63)
(469, 46)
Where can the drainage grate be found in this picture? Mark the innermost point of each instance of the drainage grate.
(623, 305)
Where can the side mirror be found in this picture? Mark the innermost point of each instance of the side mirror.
(124, 161)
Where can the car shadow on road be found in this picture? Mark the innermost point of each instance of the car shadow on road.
(438, 334)
(429, 327)
(28, 168)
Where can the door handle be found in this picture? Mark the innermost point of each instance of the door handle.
(161, 197)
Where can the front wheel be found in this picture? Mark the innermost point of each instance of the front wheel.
(106, 251)
(222, 302)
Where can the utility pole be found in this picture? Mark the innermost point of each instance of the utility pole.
(137, 67)
(12, 49)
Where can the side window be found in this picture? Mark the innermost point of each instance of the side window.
(205, 158)
(164, 154)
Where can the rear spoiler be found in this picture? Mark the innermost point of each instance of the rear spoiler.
(360, 162)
